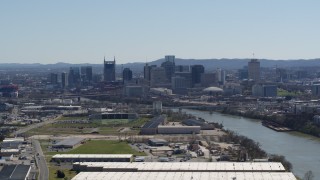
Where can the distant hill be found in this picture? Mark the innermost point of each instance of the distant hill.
(210, 64)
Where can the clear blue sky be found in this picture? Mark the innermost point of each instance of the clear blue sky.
(80, 31)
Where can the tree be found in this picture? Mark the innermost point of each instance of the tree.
(60, 174)
(308, 176)
(279, 158)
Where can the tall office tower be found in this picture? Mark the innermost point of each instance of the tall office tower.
(157, 76)
(169, 66)
(86, 73)
(109, 70)
(182, 68)
(170, 58)
(126, 74)
(254, 70)
(221, 76)
(196, 71)
(74, 76)
(243, 73)
(315, 89)
(64, 79)
(147, 72)
(53, 78)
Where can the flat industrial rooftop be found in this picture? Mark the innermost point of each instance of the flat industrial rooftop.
(184, 176)
(189, 166)
(70, 141)
(92, 156)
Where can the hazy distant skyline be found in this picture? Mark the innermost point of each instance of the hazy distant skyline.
(79, 31)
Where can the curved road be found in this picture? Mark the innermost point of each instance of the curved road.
(32, 126)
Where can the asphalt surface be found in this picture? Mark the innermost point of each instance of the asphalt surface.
(28, 128)
(41, 161)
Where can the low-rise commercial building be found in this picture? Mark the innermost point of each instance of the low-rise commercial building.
(9, 152)
(157, 142)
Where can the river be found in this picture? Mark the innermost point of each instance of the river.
(303, 151)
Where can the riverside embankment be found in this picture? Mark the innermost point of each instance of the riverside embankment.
(300, 149)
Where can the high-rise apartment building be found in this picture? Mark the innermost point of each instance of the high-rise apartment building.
(109, 70)
(254, 70)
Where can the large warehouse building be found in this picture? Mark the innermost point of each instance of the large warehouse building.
(195, 122)
(183, 171)
(151, 127)
(185, 176)
(182, 166)
(156, 126)
(68, 143)
(15, 172)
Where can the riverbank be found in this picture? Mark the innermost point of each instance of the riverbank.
(287, 122)
(275, 126)
(300, 149)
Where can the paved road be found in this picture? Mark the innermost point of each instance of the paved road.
(41, 161)
(28, 128)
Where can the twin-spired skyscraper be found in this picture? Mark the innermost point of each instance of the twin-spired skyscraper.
(109, 70)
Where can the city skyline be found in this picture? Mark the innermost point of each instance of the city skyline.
(140, 31)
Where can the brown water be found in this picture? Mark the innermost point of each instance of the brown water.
(303, 151)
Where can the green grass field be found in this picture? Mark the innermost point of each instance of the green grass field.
(90, 147)
(105, 147)
(114, 122)
(106, 127)
(53, 169)
(73, 118)
(282, 92)
(137, 123)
